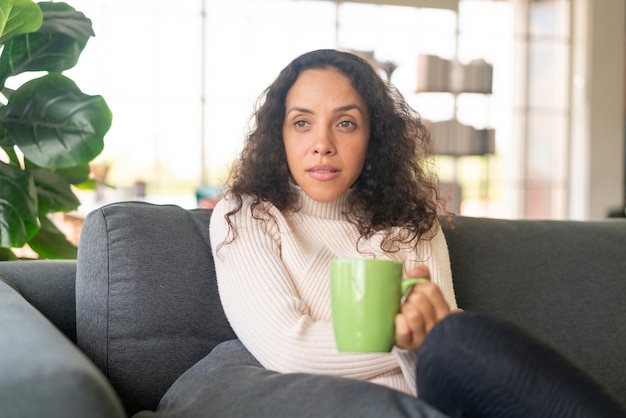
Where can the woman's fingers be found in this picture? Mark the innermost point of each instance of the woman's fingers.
(403, 332)
(417, 323)
(419, 309)
(422, 309)
(430, 300)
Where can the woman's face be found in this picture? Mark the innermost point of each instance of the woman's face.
(325, 132)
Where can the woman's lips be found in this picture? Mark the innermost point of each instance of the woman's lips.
(323, 172)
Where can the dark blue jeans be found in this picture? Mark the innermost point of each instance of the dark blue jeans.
(471, 365)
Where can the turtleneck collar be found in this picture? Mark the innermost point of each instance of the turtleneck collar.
(330, 210)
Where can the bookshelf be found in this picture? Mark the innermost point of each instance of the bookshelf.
(451, 138)
(439, 75)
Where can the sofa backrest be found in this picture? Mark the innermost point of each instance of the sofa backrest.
(147, 306)
(564, 281)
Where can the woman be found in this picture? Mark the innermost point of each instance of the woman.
(328, 172)
(336, 165)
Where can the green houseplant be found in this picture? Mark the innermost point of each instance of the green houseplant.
(49, 129)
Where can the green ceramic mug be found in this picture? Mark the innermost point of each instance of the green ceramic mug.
(365, 298)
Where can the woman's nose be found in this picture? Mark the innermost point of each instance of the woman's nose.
(324, 143)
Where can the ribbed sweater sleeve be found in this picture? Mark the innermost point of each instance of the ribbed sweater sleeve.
(273, 283)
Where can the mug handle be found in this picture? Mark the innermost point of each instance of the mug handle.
(408, 283)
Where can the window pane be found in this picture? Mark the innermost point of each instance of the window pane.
(547, 147)
(548, 70)
(549, 17)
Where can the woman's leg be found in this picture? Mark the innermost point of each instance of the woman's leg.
(471, 365)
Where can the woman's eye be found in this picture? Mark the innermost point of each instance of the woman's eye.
(346, 124)
(300, 124)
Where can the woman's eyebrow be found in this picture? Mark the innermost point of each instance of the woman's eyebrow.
(337, 110)
(348, 107)
(300, 109)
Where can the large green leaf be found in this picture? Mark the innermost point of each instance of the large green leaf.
(17, 17)
(50, 242)
(6, 254)
(5, 140)
(8, 146)
(54, 123)
(63, 18)
(54, 192)
(18, 206)
(75, 175)
(55, 47)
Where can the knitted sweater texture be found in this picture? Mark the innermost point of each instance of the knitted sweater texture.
(273, 280)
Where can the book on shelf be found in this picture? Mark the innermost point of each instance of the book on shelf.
(433, 74)
(451, 137)
(436, 74)
(477, 77)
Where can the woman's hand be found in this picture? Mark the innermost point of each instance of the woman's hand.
(423, 307)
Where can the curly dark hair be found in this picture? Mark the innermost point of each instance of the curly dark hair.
(397, 187)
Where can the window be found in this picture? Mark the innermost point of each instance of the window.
(182, 79)
(543, 118)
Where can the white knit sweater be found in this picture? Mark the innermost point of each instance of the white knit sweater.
(273, 282)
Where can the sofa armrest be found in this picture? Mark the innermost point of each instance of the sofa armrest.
(48, 285)
(147, 305)
(41, 372)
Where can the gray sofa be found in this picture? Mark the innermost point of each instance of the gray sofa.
(109, 334)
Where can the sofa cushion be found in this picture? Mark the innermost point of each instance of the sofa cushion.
(42, 374)
(210, 388)
(146, 296)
